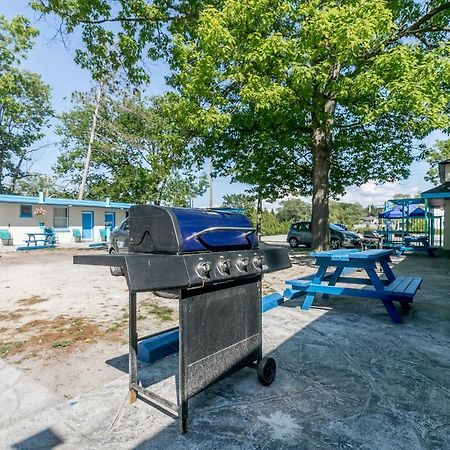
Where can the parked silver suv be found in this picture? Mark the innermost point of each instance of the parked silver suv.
(300, 234)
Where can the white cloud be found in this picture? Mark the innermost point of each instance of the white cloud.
(376, 194)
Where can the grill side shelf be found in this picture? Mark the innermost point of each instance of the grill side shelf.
(147, 272)
(276, 258)
(116, 260)
(144, 272)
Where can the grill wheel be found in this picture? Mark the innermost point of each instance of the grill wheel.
(266, 370)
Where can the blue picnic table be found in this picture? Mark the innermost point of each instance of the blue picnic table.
(41, 240)
(387, 289)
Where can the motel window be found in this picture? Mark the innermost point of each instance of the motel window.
(25, 211)
(60, 217)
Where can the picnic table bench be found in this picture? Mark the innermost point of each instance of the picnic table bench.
(401, 289)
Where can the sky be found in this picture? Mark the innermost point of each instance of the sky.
(54, 62)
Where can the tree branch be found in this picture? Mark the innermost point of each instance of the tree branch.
(427, 16)
(413, 29)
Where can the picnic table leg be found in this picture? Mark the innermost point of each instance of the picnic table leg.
(334, 279)
(387, 270)
(392, 311)
(316, 280)
(388, 304)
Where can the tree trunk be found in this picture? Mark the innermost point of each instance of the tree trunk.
(91, 141)
(322, 144)
(16, 172)
(324, 107)
(1, 174)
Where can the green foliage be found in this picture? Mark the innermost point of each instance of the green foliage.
(139, 154)
(251, 73)
(243, 201)
(269, 86)
(24, 102)
(348, 214)
(16, 38)
(440, 152)
(294, 210)
(33, 183)
(272, 225)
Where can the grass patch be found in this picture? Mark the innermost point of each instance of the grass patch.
(162, 312)
(62, 331)
(32, 300)
(62, 343)
(114, 327)
(10, 348)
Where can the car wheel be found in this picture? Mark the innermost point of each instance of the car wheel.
(293, 242)
(115, 271)
(335, 243)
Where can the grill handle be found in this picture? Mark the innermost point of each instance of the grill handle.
(248, 231)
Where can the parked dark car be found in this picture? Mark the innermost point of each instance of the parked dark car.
(300, 234)
(118, 242)
(119, 237)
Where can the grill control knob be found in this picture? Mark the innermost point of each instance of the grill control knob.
(242, 264)
(258, 262)
(225, 266)
(203, 269)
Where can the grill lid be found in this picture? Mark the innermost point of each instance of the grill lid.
(160, 229)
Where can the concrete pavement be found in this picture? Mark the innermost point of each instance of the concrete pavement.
(347, 378)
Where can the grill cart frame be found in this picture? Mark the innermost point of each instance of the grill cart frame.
(220, 324)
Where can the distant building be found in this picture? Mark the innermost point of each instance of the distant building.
(24, 214)
(368, 223)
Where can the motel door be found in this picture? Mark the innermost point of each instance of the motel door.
(110, 220)
(88, 225)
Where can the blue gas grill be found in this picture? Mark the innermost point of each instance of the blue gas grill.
(215, 261)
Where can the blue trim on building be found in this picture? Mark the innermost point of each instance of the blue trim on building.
(437, 195)
(62, 202)
(406, 201)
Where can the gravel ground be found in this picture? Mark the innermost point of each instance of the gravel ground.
(61, 323)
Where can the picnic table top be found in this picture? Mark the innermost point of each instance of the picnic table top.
(347, 254)
(40, 233)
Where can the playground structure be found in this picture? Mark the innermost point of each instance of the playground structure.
(412, 222)
(423, 222)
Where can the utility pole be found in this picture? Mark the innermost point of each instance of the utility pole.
(259, 214)
(91, 140)
(210, 184)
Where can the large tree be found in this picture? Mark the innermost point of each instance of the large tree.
(24, 103)
(291, 96)
(139, 154)
(315, 96)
